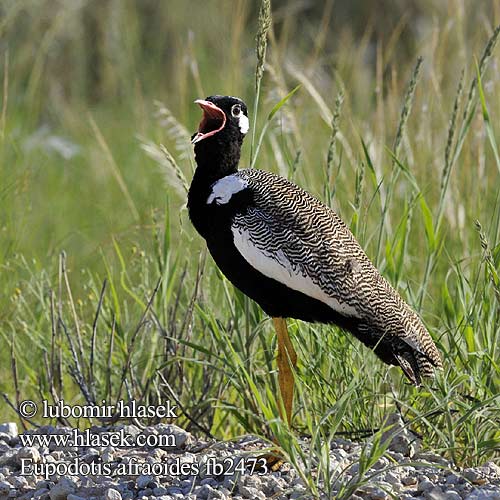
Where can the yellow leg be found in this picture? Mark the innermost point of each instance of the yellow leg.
(287, 358)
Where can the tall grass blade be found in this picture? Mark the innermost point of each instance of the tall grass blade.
(271, 115)
(264, 23)
(486, 116)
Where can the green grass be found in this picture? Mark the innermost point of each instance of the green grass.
(406, 152)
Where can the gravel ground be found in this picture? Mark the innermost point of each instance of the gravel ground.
(184, 467)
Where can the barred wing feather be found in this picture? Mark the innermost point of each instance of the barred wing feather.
(292, 237)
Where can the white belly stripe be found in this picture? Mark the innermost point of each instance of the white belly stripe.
(280, 269)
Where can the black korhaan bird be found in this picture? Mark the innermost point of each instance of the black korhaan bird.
(292, 254)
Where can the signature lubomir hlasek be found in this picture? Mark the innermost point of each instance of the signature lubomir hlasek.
(122, 409)
(292, 254)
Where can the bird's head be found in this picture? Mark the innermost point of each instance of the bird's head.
(225, 120)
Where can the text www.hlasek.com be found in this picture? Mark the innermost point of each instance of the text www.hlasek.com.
(88, 439)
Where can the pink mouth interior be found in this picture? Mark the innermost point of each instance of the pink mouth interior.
(213, 120)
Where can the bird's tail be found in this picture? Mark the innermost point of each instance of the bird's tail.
(416, 365)
(424, 358)
(410, 346)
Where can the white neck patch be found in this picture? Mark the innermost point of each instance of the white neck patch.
(224, 188)
(243, 123)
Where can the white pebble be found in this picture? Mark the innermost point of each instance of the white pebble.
(112, 494)
(9, 428)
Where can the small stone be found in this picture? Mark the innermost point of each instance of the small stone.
(381, 463)
(58, 455)
(158, 454)
(204, 492)
(31, 480)
(392, 479)
(5, 487)
(182, 437)
(339, 454)
(72, 496)
(62, 489)
(434, 494)
(425, 485)
(229, 482)
(8, 458)
(483, 494)
(175, 490)
(475, 476)
(90, 457)
(219, 495)
(108, 455)
(297, 494)
(353, 469)
(30, 454)
(453, 479)
(131, 430)
(159, 491)
(143, 481)
(210, 481)
(187, 458)
(187, 484)
(373, 493)
(432, 458)
(409, 480)
(256, 482)
(18, 482)
(398, 457)
(273, 485)
(452, 495)
(9, 428)
(400, 438)
(112, 494)
(252, 493)
(43, 493)
(494, 469)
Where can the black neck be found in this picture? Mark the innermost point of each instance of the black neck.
(215, 158)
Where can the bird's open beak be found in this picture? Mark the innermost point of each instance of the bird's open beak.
(213, 121)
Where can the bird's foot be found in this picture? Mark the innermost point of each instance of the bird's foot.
(274, 462)
(270, 461)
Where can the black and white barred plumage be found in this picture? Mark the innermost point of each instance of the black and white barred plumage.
(292, 254)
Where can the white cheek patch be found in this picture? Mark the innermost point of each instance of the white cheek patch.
(243, 124)
(223, 189)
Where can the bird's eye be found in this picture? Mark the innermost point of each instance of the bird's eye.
(236, 110)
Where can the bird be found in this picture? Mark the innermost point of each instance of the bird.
(292, 254)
